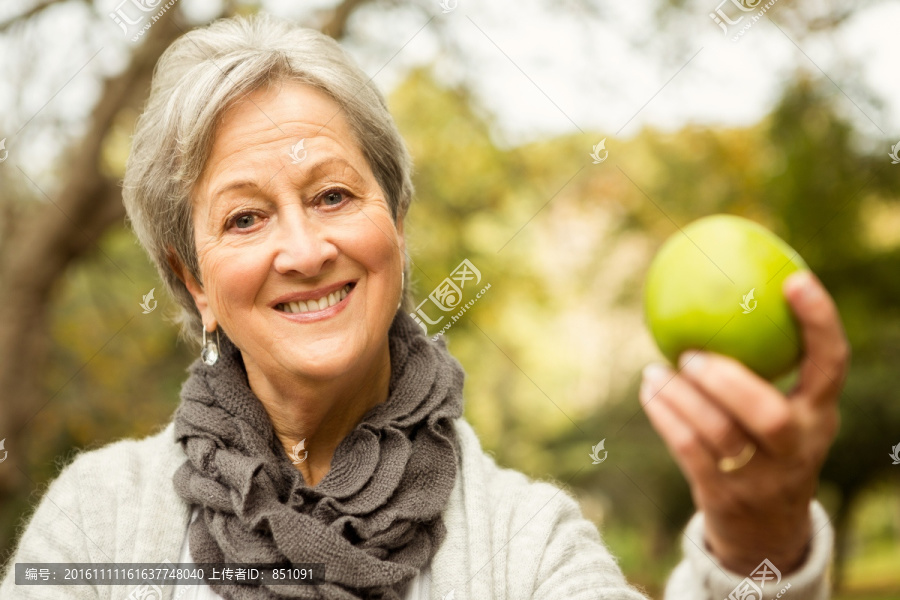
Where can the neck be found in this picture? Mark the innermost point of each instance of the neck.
(321, 412)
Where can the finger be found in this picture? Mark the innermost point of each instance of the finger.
(826, 351)
(693, 458)
(753, 402)
(719, 432)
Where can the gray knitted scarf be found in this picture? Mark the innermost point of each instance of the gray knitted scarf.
(374, 520)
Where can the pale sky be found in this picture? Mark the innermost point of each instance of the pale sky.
(538, 71)
(557, 77)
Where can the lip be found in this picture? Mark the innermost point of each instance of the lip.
(317, 315)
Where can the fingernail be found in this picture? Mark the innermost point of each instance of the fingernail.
(654, 373)
(691, 361)
(799, 283)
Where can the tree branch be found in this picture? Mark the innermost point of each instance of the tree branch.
(336, 24)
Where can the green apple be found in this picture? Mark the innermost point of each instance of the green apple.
(716, 286)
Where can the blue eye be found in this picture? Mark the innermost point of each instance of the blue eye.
(244, 221)
(333, 197)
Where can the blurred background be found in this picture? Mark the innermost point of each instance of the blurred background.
(790, 124)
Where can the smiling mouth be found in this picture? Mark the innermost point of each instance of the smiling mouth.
(316, 304)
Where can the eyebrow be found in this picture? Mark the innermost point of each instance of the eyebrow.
(313, 166)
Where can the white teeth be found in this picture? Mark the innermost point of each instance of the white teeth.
(322, 303)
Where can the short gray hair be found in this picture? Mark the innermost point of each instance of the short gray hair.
(197, 78)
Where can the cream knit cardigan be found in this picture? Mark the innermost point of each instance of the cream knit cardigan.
(508, 537)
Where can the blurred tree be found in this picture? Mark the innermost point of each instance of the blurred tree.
(835, 204)
(47, 238)
(50, 236)
(831, 198)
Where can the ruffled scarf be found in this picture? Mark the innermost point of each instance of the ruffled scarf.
(374, 520)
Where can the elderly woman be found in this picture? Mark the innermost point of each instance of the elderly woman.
(269, 184)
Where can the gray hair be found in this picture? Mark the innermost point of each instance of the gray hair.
(197, 78)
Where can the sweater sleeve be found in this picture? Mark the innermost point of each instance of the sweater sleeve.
(701, 575)
(576, 564)
(55, 533)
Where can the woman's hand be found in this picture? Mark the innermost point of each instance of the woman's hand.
(714, 407)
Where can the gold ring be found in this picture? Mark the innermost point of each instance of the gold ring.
(733, 463)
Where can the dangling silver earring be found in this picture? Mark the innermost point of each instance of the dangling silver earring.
(209, 353)
(402, 286)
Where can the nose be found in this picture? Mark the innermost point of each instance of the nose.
(303, 244)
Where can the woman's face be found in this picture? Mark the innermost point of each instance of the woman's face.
(300, 259)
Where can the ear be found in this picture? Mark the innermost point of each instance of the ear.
(201, 300)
